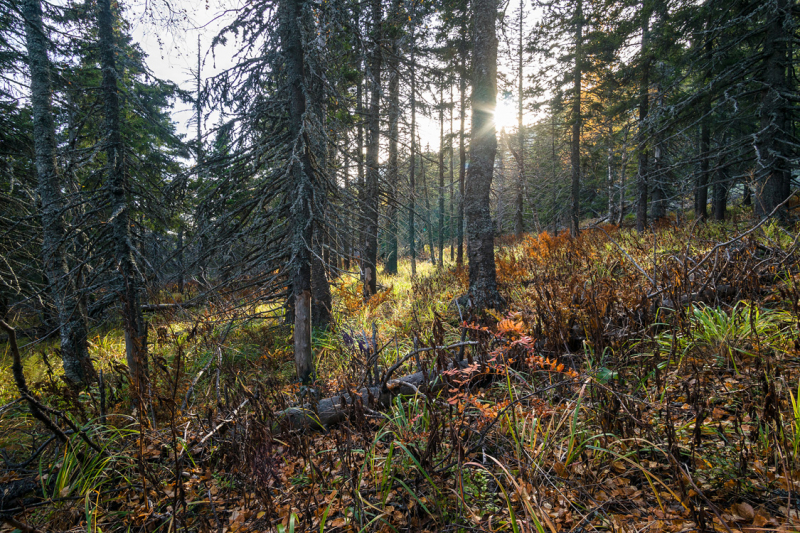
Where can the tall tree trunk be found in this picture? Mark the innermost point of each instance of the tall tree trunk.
(72, 327)
(127, 279)
(659, 208)
(659, 174)
(773, 142)
(450, 232)
(623, 169)
(357, 246)
(610, 172)
(303, 182)
(392, 171)
(412, 237)
(428, 223)
(462, 160)
(701, 188)
(519, 220)
(500, 189)
(373, 152)
(181, 261)
(555, 162)
(642, 177)
(483, 148)
(575, 156)
(321, 302)
(701, 191)
(198, 110)
(347, 240)
(441, 174)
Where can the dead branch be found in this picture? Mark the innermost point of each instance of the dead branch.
(38, 409)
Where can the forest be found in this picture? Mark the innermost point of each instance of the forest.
(400, 266)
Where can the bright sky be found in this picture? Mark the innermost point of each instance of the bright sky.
(172, 55)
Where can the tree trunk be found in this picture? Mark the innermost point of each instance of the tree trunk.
(441, 174)
(321, 302)
(428, 223)
(644, 104)
(701, 188)
(623, 169)
(500, 189)
(412, 237)
(181, 261)
(720, 195)
(346, 238)
(392, 172)
(483, 148)
(575, 156)
(303, 181)
(659, 195)
(373, 152)
(450, 230)
(462, 161)
(357, 246)
(519, 220)
(127, 279)
(610, 173)
(555, 162)
(72, 327)
(773, 142)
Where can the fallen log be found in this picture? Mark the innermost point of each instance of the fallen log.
(336, 409)
(167, 307)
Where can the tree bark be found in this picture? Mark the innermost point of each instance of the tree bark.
(392, 170)
(428, 224)
(441, 174)
(303, 179)
(519, 220)
(500, 188)
(127, 279)
(483, 148)
(721, 194)
(701, 188)
(610, 172)
(356, 247)
(773, 142)
(321, 302)
(412, 237)
(462, 160)
(72, 327)
(450, 230)
(371, 203)
(623, 168)
(575, 156)
(642, 177)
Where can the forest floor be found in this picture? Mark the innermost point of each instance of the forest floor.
(634, 383)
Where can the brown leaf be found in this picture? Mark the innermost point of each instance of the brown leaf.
(745, 510)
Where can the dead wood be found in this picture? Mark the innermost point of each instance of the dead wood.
(168, 307)
(336, 409)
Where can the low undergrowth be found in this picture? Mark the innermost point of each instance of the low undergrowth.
(636, 382)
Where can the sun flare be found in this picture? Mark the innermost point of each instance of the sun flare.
(505, 115)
